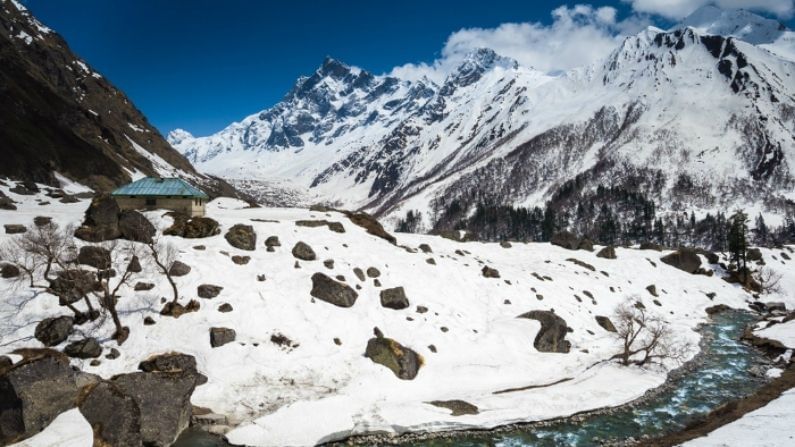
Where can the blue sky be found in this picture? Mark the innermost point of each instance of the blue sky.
(200, 65)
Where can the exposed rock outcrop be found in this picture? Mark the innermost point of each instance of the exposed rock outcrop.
(552, 336)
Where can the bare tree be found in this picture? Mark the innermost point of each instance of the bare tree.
(110, 284)
(14, 252)
(164, 255)
(50, 245)
(644, 338)
(768, 279)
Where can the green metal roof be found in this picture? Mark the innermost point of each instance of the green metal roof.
(152, 186)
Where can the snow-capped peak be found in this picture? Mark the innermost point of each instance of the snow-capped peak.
(177, 136)
(738, 23)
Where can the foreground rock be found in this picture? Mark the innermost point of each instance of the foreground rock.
(173, 362)
(9, 271)
(101, 221)
(134, 226)
(34, 392)
(685, 259)
(192, 228)
(88, 348)
(394, 298)
(552, 336)
(208, 291)
(242, 237)
(608, 252)
(220, 336)
(114, 416)
(54, 331)
(326, 289)
(605, 323)
(404, 362)
(179, 268)
(304, 252)
(97, 257)
(15, 228)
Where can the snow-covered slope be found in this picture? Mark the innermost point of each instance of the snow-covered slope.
(690, 119)
(470, 338)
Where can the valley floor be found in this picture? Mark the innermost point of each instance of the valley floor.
(318, 390)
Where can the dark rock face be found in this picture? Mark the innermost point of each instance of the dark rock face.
(114, 416)
(220, 336)
(135, 265)
(685, 259)
(15, 228)
(304, 252)
(88, 348)
(242, 237)
(326, 289)
(208, 291)
(605, 323)
(179, 268)
(192, 228)
(394, 298)
(404, 362)
(33, 393)
(489, 272)
(54, 331)
(608, 252)
(9, 271)
(134, 226)
(94, 256)
(552, 336)
(102, 220)
(139, 286)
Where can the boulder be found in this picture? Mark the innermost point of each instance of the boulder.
(457, 407)
(114, 416)
(652, 290)
(15, 228)
(101, 221)
(650, 246)
(135, 265)
(333, 226)
(179, 268)
(97, 257)
(326, 289)
(370, 224)
(7, 204)
(712, 258)
(176, 310)
(241, 260)
(272, 241)
(685, 259)
(208, 290)
(404, 362)
(605, 323)
(54, 331)
(9, 271)
(552, 336)
(752, 254)
(242, 237)
(224, 308)
(220, 336)
(173, 362)
(425, 248)
(304, 252)
(71, 285)
(373, 272)
(33, 392)
(505, 244)
(394, 298)
(192, 228)
(87, 348)
(489, 272)
(139, 286)
(359, 273)
(608, 252)
(134, 226)
(41, 221)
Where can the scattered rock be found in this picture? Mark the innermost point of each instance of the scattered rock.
(97, 257)
(373, 272)
(220, 336)
(179, 268)
(304, 252)
(224, 308)
(15, 228)
(71, 285)
(134, 266)
(241, 260)
(9, 271)
(192, 228)
(271, 242)
(457, 407)
(282, 340)
(113, 354)
(650, 246)
(582, 264)
(685, 259)
(404, 362)
(242, 237)
(489, 272)
(608, 252)
(41, 221)
(173, 362)
(421, 309)
(101, 221)
(753, 254)
(329, 264)
(569, 240)
(199, 247)
(54, 331)
(149, 321)
(394, 298)
(326, 289)
(652, 289)
(504, 244)
(552, 336)
(134, 226)
(87, 348)
(605, 323)
(425, 248)
(176, 310)
(376, 283)
(333, 226)
(431, 261)
(432, 348)
(359, 273)
(140, 285)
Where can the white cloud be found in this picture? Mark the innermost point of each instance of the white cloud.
(677, 9)
(577, 36)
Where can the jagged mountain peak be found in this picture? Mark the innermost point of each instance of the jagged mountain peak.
(739, 23)
(475, 64)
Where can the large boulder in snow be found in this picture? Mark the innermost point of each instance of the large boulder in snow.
(192, 228)
(605, 323)
(15, 228)
(208, 290)
(685, 259)
(404, 362)
(394, 298)
(33, 392)
(134, 226)
(304, 252)
(71, 285)
(753, 254)
(242, 237)
(53, 331)
(608, 252)
(220, 336)
(9, 271)
(552, 336)
(97, 257)
(101, 222)
(179, 268)
(87, 348)
(331, 291)
(173, 362)
(114, 416)
(569, 240)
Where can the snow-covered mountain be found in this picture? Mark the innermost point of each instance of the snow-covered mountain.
(687, 118)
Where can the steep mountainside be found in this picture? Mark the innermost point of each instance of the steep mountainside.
(683, 119)
(59, 115)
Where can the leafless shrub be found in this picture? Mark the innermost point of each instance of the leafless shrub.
(768, 279)
(645, 338)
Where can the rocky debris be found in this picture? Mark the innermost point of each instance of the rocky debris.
(552, 336)
(114, 416)
(208, 290)
(33, 392)
(87, 348)
(282, 340)
(225, 307)
(425, 248)
(359, 273)
(569, 240)
(101, 221)
(457, 407)
(608, 252)
(134, 265)
(605, 323)
(304, 252)
(271, 242)
(650, 246)
(220, 336)
(753, 254)
(652, 289)
(97, 257)
(505, 244)
(241, 260)
(176, 310)
(193, 227)
(54, 331)
(394, 298)
(139, 286)
(582, 264)
(329, 264)
(685, 259)
(489, 272)
(373, 272)
(242, 237)
(41, 221)
(113, 354)
(179, 268)
(331, 291)
(15, 228)
(404, 362)
(134, 226)
(333, 226)
(5, 363)
(9, 271)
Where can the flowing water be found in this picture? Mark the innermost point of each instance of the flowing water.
(720, 375)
